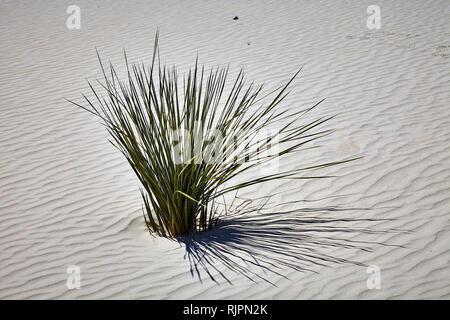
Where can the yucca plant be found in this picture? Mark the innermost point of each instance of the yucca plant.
(187, 141)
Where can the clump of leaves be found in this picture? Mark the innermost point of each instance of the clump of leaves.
(186, 139)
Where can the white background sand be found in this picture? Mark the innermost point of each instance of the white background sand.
(68, 197)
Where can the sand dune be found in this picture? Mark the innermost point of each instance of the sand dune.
(67, 197)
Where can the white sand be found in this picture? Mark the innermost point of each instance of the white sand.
(68, 197)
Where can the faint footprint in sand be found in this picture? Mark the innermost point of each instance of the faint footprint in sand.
(442, 51)
(348, 146)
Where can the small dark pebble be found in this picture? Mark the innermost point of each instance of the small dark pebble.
(236, 18)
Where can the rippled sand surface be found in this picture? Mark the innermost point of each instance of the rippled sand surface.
(67, 197)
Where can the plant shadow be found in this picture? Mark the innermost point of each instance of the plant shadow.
(256, 241)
